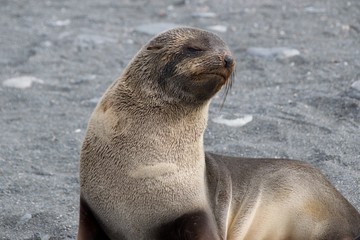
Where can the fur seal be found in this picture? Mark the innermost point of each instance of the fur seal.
(144, 173)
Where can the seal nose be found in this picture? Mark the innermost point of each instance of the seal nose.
(228, 61)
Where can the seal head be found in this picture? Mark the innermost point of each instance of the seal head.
(188, 65)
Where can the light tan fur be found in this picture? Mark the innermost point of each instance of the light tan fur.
(282, 199)
(140, 197)
(143, 162)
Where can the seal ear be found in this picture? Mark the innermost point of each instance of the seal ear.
(154, 45)
(158, 42)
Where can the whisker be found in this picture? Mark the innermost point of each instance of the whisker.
(228, 86)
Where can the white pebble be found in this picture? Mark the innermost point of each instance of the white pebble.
(312, 9)
(356, 85)
(237, 122)
(218, 28)
(130, 41)
(277, 52)
(24, 219)
(61, 23)
(22, 82)
(204, 15)
(45, 237)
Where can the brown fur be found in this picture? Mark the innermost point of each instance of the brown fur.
(134, 167)
(280, 199)
(144, 173)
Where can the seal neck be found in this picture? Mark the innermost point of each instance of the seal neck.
(147, 102)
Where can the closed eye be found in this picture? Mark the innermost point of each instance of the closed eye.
(194, 49)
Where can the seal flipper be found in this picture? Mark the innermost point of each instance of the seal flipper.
(89, 228)
(220, 191)
(190, 226)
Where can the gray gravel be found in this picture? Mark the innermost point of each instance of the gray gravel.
(297, 96)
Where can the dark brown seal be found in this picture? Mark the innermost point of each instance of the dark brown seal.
(144, 173)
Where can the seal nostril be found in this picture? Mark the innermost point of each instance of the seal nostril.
(229, 61)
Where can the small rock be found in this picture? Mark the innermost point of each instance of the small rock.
(312, 9)
(47, 44)
(155, 28)
(298, 60)
(218, 28)
(91, 102)
(39, 236)
(130, 41)
(94, 100)
(345, 27)
(354, 90)
(203, 15)
(179, 2)
(45, 237)
(237, 122)
(356, 85)
(83, 79)
(24, 219)
(170, 8)
(21, 82)
(278, 52)
(161, 13)
(77, 130)
(61, 23)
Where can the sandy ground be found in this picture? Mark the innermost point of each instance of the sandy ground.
(296, 93)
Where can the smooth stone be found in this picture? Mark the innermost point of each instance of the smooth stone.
(94, 100)
(39, 236)
(45, 237)
(84, 79)
(91, 102)
(61, 23)
(218, 28)
(356, 85)
(203, 15)
(354, 90)
(277, 52)
(155, 28)
(179, 2)
(237, 122)
(47, 44)
(24, 219)
(22, 82)
(312, 9)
